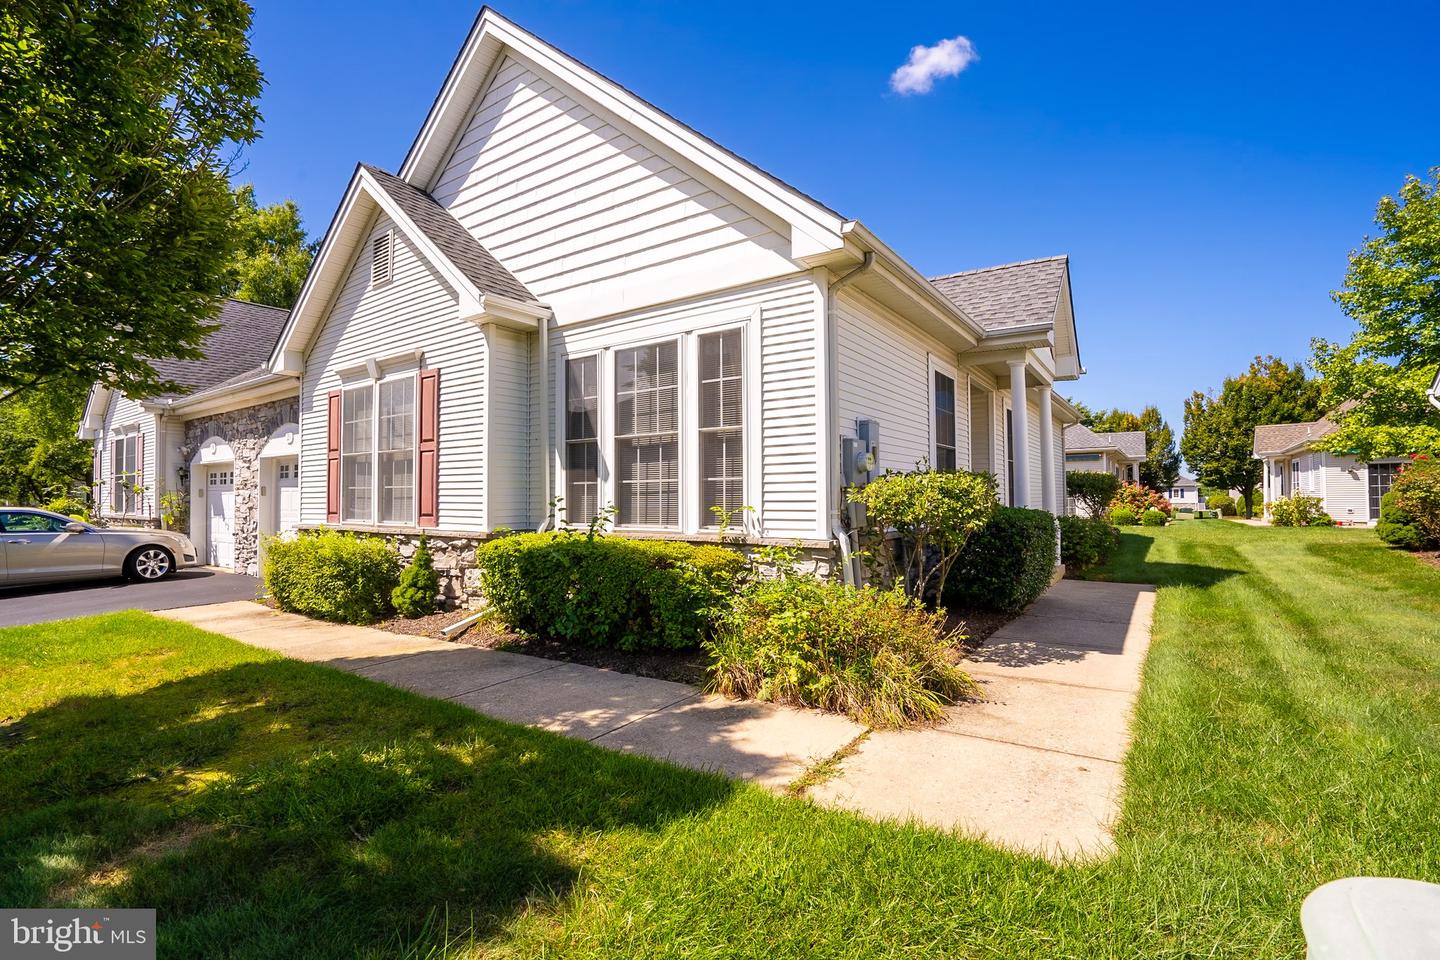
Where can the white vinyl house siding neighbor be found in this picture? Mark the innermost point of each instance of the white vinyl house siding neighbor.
(416, 310)
(593, 221)
(509, 458)
(125, 416)
(1346, 485)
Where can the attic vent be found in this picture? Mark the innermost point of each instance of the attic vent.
(382, 258)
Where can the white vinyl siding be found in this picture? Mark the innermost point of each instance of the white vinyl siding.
(126, 416)
(590, 219)
(1345, 482)
(508, 455)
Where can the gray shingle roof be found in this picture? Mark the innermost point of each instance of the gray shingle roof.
(1131, 443)
(452, 239)
(1010, 295)
(1272, 438)
(246, 334)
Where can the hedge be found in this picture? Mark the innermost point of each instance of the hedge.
(1086, 542)
(608, 591)
(1006, 565)
(332, 576)
(1397, 525)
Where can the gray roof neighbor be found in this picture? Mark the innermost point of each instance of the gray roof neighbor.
(243, 340)
(1273, 438)
(452, 239)
(1131, 443)
(1010, 295)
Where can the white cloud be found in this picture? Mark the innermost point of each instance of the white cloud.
(928, 64)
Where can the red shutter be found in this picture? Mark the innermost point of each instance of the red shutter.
(332, 460)
(428, 476)
(99, 484)
(139, 479)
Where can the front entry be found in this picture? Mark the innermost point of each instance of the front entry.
(220, 512)
(287, 499)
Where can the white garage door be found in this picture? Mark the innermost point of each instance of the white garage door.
(287, 503)
(220, 508)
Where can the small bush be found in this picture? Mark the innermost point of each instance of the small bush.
(419, 587)
(1397, 526)
(608, 591)
(69, 506)
(1152, 518)
(1140, 498)
(1298, 510)
(1221, 503)
(1086, 542)
(1417, 492)
(869, 654)
(1123, 517)
(332, 576)
(1092, 490)
(1006, 565)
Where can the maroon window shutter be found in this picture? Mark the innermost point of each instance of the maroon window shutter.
(99, 473)
(139, 479)
(332, 460)
(428, 476)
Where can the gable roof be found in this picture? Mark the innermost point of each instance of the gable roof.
(1275, 438)
(1128, 443)
(242, 341)
(449, 237)
(1184, 480)
(1010, 295)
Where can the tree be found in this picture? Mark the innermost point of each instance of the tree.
(1220, 430)
(1162, 463)
(1392, 291)
(118, 123)
(1087, 416)
(40, 456)
(274, 253)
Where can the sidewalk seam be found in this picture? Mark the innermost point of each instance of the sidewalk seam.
(487, 686)
(686, 699)
(1029, 746)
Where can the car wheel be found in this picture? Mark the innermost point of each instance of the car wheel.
(149, 563)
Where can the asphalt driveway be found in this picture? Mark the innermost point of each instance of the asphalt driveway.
(187, 588)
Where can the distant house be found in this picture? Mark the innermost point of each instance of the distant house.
(1350, 490)
(1184, 494)
(1119, 454)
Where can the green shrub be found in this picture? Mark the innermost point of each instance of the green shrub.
(419, 587)
(1092, 490)
(1397, 525)
(608, 591)
(866, 653)
(1221, 503)
(1417, 492)
(1086, 541)
(332, 576)
(1298, 510)
(1006, 565)
(1123, 517)
(1152, 518)
(69, 506)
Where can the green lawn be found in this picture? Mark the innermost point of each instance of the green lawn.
(1288, 734)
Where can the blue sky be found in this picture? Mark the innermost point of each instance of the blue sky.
(1206, 173)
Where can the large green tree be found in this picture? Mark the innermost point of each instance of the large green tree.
(273, 254)
(1220, 428)
(118, 123)
(40, 456)
(1392, 292)
(1162, 460)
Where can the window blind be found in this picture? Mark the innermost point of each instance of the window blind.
(722, 425)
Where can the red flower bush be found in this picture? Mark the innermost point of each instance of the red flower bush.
(1138, 499)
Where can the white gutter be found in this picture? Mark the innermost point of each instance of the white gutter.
(832, 418)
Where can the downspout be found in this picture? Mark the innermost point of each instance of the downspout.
(548, 455)
(832, 418)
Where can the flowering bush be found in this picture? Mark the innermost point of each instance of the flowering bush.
(1299, 510)
(1417, 492)
(1137, 499)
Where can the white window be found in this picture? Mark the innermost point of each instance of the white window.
(582, 440)
(1009, 457)
(382, 258)
(722, 425)
(647, 438)
(377, 451)
(944, 422)
(124, 474)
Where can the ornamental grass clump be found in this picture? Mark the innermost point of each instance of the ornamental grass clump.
(870, 654)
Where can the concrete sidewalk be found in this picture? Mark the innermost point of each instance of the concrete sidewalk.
(1036, 765)
(767, 744)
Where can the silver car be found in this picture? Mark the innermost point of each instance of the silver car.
(37, 546)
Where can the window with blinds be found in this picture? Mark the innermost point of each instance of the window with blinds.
(722, 425)
(582, 440)
(357, 444)
(124, 471)
(944, 422)
(382, 258)
(395, 458)
(647, 440)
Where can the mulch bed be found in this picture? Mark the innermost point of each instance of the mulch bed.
(1431, 557)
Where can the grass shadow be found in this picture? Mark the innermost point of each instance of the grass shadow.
(1132, 564)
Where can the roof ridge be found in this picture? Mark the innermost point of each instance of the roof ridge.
(254, 303)
(1001, 266)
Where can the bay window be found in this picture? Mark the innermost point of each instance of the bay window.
(722, 425)
(582, 440)
(944, 422)
(647, 437)
(377, 451)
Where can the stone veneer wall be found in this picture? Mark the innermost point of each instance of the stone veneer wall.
(247, 430)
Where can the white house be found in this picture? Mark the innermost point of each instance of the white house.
(1184, 494)
(1119, 453)
(1349, 489)
(566, 293)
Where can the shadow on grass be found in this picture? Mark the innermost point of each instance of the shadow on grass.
(1131, 564)
(281, 809)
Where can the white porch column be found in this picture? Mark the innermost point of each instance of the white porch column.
(1048, 481)
(1020, 442)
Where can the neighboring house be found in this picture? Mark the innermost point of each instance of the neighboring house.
(1184, 494)
(1350, 490)
(1119, 454)
(567, 294)
(228, 448)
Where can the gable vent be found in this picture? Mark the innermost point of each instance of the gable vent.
(382, 258)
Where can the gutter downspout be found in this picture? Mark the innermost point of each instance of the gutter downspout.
(546, 488)
(832, 417)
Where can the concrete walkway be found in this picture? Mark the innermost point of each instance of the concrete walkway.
(1036, 765)
(767, 744)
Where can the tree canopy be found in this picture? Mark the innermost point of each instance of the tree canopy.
(40, 456)
(1162, 460)
(1392, 292)
(1220, 428)
(118, 123)
(273, 254)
